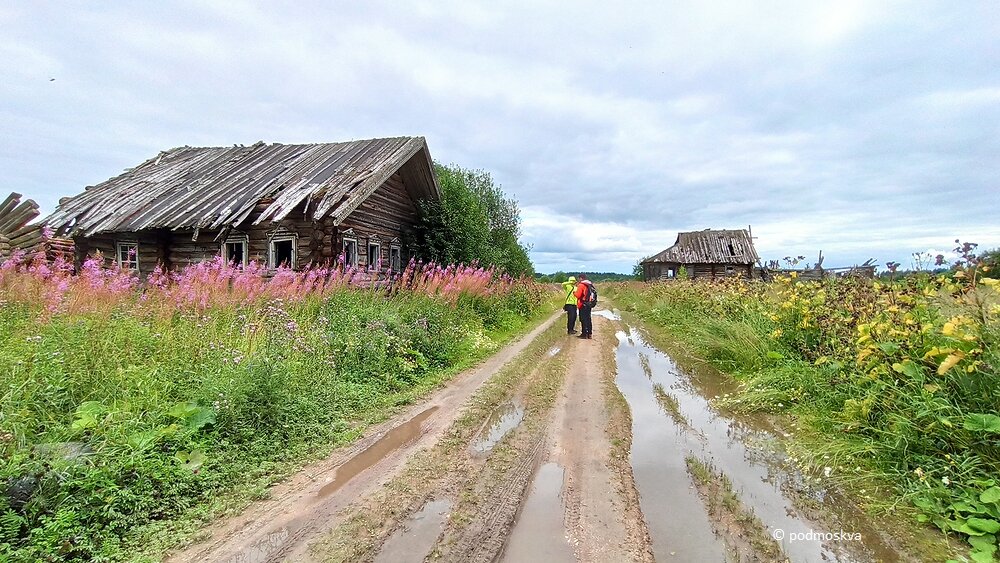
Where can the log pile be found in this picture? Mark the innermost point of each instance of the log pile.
(18, 233)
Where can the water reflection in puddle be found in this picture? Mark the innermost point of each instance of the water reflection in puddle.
(536, 533)
(394, 439)
(499, 425)
(554, 350)
(610, 315)
(415, 539)
(678, 522)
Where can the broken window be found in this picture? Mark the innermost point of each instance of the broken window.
(350, 252)
(234, 251)
(395, 258)
(374, 255)
(128, 255)
(282, 252)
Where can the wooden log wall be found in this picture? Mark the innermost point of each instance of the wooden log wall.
(19, 233)
(388, 213)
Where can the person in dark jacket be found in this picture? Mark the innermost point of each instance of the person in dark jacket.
(582, 294)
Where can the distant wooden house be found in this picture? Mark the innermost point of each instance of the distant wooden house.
(708, 254)
(282, 205)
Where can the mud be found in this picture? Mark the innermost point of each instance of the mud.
(415, 539)
(395, 439)
(765, 484)
(539, 534)
(501, 423)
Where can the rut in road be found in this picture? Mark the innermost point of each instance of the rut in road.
(309, 504)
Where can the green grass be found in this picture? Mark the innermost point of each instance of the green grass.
(182, 418)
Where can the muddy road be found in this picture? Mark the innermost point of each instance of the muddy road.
(559, 449)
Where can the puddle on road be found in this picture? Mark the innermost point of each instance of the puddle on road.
(554, 350)
(394, 439)
(269, 546)
(610, 315)
(539, 534)
(677, 519)
(501, 422)
(415, 539)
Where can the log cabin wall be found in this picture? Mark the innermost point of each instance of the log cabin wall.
(152, 248)
(388, 214)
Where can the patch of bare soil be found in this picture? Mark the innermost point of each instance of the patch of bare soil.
(309, 504)
(745, 535)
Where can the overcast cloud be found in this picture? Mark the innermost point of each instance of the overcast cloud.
(865, 129)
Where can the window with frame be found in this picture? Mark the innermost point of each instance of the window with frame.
(128, 255)
(730, 270)
(281, 251)
(350, 252)
(235, 251)
(395, 258)
(374, 254)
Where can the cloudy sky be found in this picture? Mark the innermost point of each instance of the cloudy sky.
(866, 129)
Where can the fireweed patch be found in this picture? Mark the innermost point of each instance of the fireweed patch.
(128, 406)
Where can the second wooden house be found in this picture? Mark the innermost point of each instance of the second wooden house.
(711, 253)
(281, 205)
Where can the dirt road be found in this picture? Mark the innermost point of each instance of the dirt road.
(558, 449)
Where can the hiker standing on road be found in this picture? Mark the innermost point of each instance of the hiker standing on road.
(569, 286)
(583, 292)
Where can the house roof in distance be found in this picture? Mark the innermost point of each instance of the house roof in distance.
(710, 246)
(219, 187)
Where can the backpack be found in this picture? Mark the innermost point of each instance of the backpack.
(590, 299)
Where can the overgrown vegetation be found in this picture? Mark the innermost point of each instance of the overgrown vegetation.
(473, 222)
(595, 277)
(130, 412)
(898, 379)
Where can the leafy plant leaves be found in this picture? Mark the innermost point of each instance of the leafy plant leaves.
(982, 423)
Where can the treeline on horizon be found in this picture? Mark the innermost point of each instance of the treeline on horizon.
(559, 277)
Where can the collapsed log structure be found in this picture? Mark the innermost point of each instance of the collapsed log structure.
(19, 233)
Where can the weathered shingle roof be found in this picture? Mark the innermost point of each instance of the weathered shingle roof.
(219, 187)
(710, 247)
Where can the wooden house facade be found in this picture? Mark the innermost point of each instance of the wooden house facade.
(707, 254)
(280, 205)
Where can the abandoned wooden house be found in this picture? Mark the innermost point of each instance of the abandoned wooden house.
(281, 205)
(705, 254)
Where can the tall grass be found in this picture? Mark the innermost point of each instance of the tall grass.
(899, 378)
(129, 410)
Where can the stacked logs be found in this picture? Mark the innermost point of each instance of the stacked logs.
(17, 233)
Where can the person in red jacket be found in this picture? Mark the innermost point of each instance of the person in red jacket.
(582, 294)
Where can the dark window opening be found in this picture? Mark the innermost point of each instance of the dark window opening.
(374, 255)
(395, 259)
(283, 253)
(350, 252)
(235, 253)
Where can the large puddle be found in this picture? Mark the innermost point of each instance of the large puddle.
(539, 534)
(412, 542)
(501, 422)
(269, 546)
(394, 439)
(672, 419)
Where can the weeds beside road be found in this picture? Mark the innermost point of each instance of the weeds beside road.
(131, 414)
(893, 384)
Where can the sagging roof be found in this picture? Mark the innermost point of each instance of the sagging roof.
(219, 187)
(722, 246)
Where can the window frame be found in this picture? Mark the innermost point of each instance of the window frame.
(377, 245)
(239, 239)
(126, 264)
(397, 250)
(343, 245)
(272, 255)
